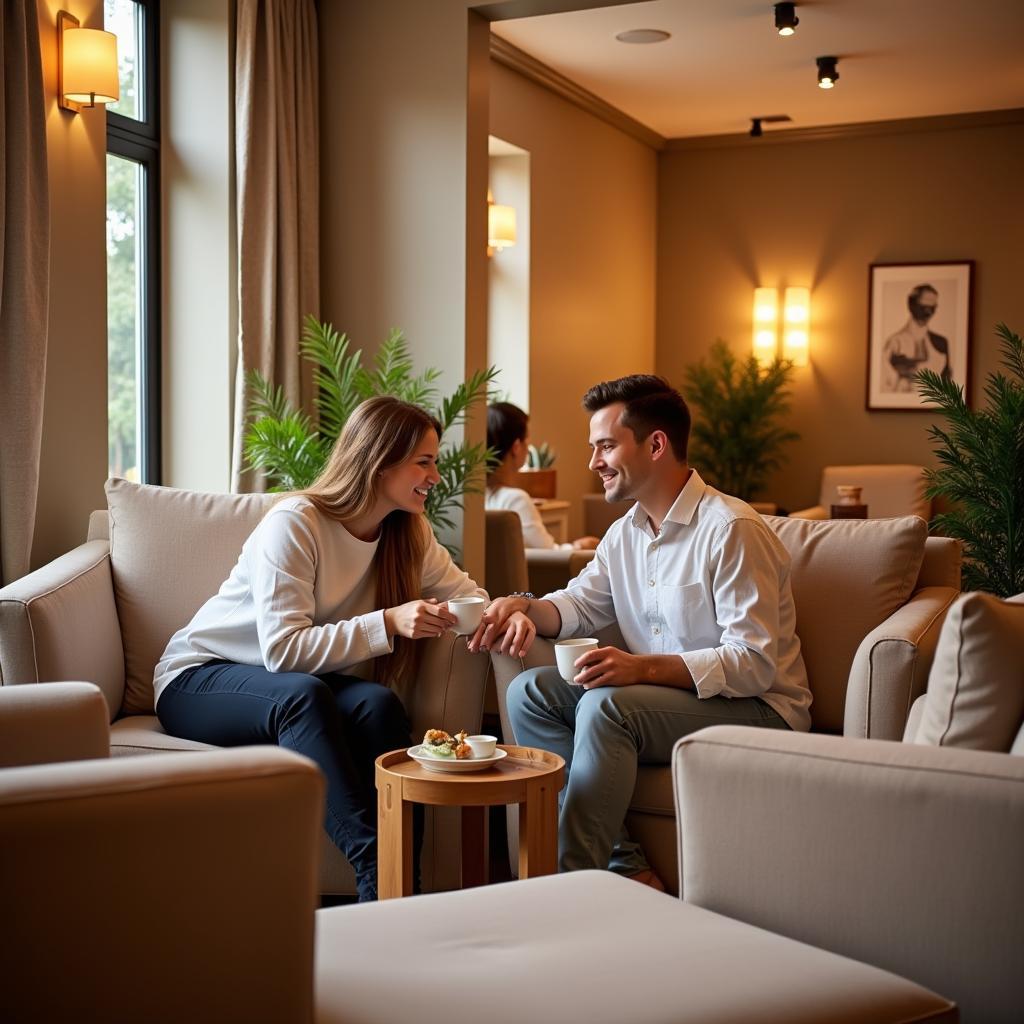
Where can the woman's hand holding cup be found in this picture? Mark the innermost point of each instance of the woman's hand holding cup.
(418, 620)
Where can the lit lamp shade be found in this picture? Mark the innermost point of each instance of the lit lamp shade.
(501, 226)
(90, 66)
(796, 333)
(766, 316)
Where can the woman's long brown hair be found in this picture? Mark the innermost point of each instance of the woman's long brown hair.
(381, 433)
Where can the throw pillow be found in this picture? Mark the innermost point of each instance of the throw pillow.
(975, 695)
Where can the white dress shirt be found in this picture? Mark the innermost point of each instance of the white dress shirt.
(711, 586)
(514, 499)
(301, 598)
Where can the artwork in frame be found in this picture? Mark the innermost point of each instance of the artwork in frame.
(919, 318)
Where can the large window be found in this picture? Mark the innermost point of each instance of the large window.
(133, 246)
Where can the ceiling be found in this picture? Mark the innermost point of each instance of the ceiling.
(725, 63)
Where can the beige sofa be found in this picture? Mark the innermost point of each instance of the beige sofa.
(104, 612)
(194, 885)
(870, 597)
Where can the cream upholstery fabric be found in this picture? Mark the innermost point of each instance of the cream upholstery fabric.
(60, 623)
(848, 577)
(589, 947)
(901, 856)
(887, 490)
(169, 551)
(52, 722)
(160, 889)
(975, 693)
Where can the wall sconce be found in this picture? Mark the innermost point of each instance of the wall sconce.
(797, 325)
(827, 74)
(86, 65)
(501, 226)
(766, 317)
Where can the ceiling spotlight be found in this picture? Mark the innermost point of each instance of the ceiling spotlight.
(756, 131)
(643, 35)
(827, 74)
(786, 20)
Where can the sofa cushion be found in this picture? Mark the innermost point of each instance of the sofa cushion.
(538, 950)
(848, 576)
(170, 550)
(975, 696)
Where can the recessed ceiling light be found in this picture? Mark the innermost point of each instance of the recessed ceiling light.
(643, 35)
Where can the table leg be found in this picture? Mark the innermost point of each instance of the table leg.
(538, 830)
(475, 851)
(394, 843)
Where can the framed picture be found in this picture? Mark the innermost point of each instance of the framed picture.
(919, 318)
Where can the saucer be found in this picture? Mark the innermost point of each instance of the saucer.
(451, 765)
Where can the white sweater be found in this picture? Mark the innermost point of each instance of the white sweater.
(301, 598)
(513, 499)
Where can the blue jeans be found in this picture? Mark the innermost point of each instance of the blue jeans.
(603, 734)
(340, 722)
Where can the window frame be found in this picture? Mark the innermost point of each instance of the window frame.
(139, 140)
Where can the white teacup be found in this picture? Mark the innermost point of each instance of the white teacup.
(566, 653)
(468, 612)
(482, 746)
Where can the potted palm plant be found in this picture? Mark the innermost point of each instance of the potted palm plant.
(737, 437)
(290, 449)
(981, 471)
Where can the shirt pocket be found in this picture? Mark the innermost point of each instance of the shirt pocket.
(686, 610)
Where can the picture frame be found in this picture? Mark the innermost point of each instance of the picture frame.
(919, 317)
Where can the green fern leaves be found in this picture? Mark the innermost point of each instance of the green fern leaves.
(981, 471)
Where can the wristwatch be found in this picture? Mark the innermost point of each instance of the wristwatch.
(524, 593)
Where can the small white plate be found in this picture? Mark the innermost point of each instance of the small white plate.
(444, 764)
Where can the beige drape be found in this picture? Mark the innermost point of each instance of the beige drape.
(24, 280)
(277, 159)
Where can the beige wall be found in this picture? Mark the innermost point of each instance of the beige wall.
(592, 261)
(74, 441)
(817, 213)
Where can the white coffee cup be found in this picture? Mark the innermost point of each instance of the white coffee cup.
(482, 746)
(467, 611)
(566, 653)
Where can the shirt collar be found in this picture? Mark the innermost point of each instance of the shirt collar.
(683, 508)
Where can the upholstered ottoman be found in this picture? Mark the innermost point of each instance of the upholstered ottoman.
(589, 947)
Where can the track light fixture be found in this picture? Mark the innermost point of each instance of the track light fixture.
(827, 74)
(786, 20)
(756, 131)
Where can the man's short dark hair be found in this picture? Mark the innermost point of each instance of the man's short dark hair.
(651, 403)
(506, 424)
(917, 292)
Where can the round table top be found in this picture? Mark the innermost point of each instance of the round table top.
(507, 781)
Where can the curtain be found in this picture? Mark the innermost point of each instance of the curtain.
(24, 280)
(277, 159)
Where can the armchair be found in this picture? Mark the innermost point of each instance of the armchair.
(196, 879)
(104, 612)
(887, 490)
(870, 598)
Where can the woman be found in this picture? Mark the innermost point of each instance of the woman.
(340, 574)
(507, 434)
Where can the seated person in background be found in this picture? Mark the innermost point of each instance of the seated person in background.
(700, 588)
(507, 434)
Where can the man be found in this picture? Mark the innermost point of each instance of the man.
(700, 589)
(913, 347)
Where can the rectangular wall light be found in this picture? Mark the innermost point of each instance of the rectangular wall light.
(766, 318)
(797, 326)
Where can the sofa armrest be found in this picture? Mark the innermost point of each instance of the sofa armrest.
(52, 722)
(161, 888)
(902, 856)
(60, 623)
(551, 570)
(448, 691)
(814, 512)
(890, 668)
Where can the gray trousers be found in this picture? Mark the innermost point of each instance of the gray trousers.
(603, 734)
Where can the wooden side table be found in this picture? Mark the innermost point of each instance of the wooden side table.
(528, 777)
